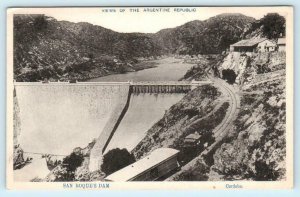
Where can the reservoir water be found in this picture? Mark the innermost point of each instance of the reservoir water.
(168, 69)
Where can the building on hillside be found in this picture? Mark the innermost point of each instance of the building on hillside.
(254, 45)
(266, 46)
(281, 44)
(158, 164)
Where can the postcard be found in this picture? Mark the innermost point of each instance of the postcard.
(103, 98)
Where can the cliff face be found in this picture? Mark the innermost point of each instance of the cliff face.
(16, 119)
(18, 157)
(237, 62)
(248, 67)
(18, 154)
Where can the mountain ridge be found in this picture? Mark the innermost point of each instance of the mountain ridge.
(45, 48)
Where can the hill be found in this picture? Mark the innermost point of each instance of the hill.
(210, 36)
(45, 48)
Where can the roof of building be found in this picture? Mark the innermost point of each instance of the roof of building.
(156, 157)
(194, 136)
(281, 41)
(249, 42)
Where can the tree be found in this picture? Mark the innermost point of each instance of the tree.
(265, 172)
(116, 159)
(73, 161)
(40, 22)
(273, 25)
(66, 171)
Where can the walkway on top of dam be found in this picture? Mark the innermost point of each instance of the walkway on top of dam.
(177, 83)
(135, 87)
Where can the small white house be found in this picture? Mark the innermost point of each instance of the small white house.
(266, 46)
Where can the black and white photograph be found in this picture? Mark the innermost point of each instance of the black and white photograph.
(156, 96)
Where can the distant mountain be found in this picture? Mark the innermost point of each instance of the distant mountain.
(205, 37)
(47, 48)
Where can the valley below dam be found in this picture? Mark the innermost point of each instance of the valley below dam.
(57, 120)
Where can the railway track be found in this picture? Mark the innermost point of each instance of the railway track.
(233, 108)
(222, 129)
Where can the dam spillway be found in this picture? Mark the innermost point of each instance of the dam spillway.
(165, 87)
(160, 88)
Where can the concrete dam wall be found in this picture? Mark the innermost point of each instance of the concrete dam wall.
(57, 117)
(108, 131)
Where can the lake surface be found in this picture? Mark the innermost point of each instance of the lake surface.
(168, 69)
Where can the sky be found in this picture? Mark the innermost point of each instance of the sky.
(140, 20)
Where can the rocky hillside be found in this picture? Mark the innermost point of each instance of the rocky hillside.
(256, 147)
(252, 67)
(74, 167)
(213, 35)
(45, 48)
(200, 111)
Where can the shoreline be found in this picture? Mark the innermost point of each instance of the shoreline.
(139, 68)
